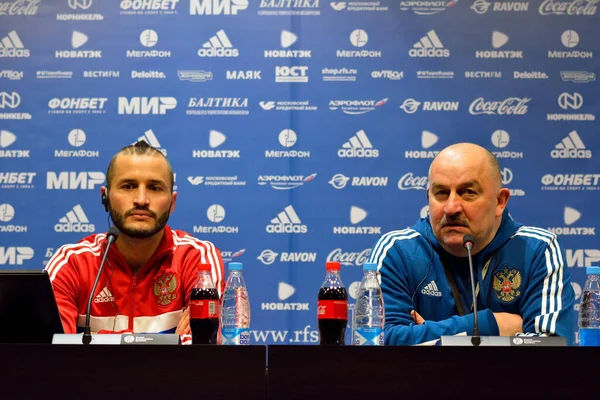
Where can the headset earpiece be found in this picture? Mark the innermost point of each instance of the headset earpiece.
(105, 201)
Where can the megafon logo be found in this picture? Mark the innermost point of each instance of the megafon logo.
(359, 146)
(287, 139)
(19, 7)
(287, 221)
(426, 7)
(11, 45)
(409, 181)
(15, 255)
(218, 46)
(571, 146)
(357, 215)
(217, 7)
(509, 106)
(269, 256)
(568, 7)
(356, 107)
(215, 214)
(358, 38)
(148, 38)
(74, 221)
(581, 258)
(73, 180)
(76, 139)
(500, 139)
(482, 6)
(429, 46)
(146, 105)
(6, 139)
(7, 213)
(349, 259)
(571, 216)
(570, 39)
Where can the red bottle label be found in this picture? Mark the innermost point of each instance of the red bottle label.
(332, 309)
(204, 309)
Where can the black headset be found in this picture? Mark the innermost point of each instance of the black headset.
(105, 201)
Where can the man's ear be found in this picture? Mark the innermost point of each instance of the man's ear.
(173, 202)
(502, 199)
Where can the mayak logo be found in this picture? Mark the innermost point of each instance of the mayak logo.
(357, 215)
(578, 76)
(76, 139)
(285, 182)
(569, 7)
(411, 106)
(287, 138)
(215, 214)
(215, 140)
(148, 38)
(19, 7)
(291, 74)
(500, 139)
(77, 105)
(217, 106)
(148, 7)
(69, 180)
(15, 255)
(17, 180)
(268, 257)
(509, 106)
(12, 47)
(79, 5)
(571, 216)
(150, 138)
(358, 146)
(78, 39)
(571, 147)
(339, 181)
(218, 46)
(243, 75)
(356, 107)
(7, 213)
(349, 259)
(570, 101)
(424, 7)
(499, 39)
(287, 221)
(428, 139)
(7, 139)
(146, 105)
(11, 100)
(217, 7)
(289, 8)
(358, 38)
(579, 258)
(483, 6)
(409, 181)
(284, 292)
(230, 255)
(287, 40)
(430, 46)
(195, 75)
(570, 39)
(74, 220)
(11, 74)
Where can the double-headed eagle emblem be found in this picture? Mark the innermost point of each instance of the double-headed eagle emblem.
(165, 289)
(507, 283)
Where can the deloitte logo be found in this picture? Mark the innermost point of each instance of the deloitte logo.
(500, 139)
(215, 140)
(215, 214)
(428, 139)
(11, 45)
(357, 215)
(74, 221)
(287, 138)
(571, 147)
(571, 216)
(7, 139)
(358, 146)
(429, 46)
(218, 46)
(7, 213)
(287, 221)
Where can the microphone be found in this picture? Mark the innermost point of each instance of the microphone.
(468, 243)
(111, 237)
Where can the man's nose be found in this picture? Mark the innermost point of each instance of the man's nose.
(141, 196)
(453, 204)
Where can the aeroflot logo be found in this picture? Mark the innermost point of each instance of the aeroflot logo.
(146, 105)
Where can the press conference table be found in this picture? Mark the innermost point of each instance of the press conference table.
(294, 372)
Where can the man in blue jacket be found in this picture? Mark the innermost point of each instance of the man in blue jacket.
(522, 284)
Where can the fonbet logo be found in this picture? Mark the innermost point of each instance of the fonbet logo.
(500, 139)
(284, 292)
(428, 139)
(571, 216)
(483, 6)
(571, 182)
(424, 7)
(339, 181)
(15, 255)
(11, 46)
(409, 181)
(76, 138)
(6, 140)
(148, 39)
(19, 7)
(287, 221)
(570, 39)
(269, 256)
(17, 180)
(429, 46)
(74, 221)
(509, 106)
(77, 105)
(215, 140)
(217, 7)
(218, 46)
(285, 182)
(358, 38)
(356, 107)
(291, 74)
(499, 39)
(357, 215)
(287, 39)
(359, 146)
(570, 101)
(74, 180)
(7, 213)
(215, 214)
(582, 258)
(571, 146)
(148, 7)
(150, 138)
(287, 138)
(568, 7)
(349, 259)
(146, 105)
(78, 39)
(411, 106)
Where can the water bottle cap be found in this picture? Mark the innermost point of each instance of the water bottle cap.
(332, 265)
(370, 267)
(592, 270)
(235, 266)
(204, 267)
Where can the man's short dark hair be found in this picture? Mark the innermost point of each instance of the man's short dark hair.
(140, 148)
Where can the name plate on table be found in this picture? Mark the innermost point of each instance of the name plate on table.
(519, 341)
(126, 338)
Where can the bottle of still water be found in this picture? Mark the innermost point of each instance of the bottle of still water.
(369, 315)
(235, 308)
(589, 309)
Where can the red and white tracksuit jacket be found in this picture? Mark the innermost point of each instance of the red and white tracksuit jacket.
(149, 302)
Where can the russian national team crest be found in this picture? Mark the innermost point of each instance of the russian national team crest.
(507, 283)
(165, 289)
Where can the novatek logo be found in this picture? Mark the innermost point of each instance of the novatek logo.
(17, 180)
(580, 257)
(195, 75)
(76, 138)
(77, 5)
(285, 182)
(578, 76)
(428, 139)
(571, 216)
(482, 6)
(570, 39)
(216, 215)
(349, 259)
(424, 7)
(356, 107)
(409, 181)
(78, 39)
(217, 7)
(7, 139)
(74, 221)
(357, 215)
(571, 182)
(287, 39)
(148, 38)
(218, 46)
(19, 7)
(146, 105)
(339, 181)
(571, 147)
(284, 292)
(500, 139)
(358, 38)
(148, 7)
(569, 7)
(7, 213)
(289, 8)
(15, 255)
(287, 221)
(499, 39)
(291, 74)
(215, 140)
(358, 146)
(287, 138)
(218, 106)
(268, 257)
(411, 106)
(12, 47)
(11, 100)
(570, 101)
(77, 105)
(483, 74)
(11, 74)
(73, 180)
(509, 106)
(429, 46)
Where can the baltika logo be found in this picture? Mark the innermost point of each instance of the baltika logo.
(6, 140)
(11, 46)
(568, 7)
(499, 39)
(216, 214)
(216, 139)
(287, 221)
(570, 39)
(426, 7)
(429, 46)
(358, 38)
(428, 139)
(284, 292)
(287, 39)
(356, 107)
(571, 146)
(77, 105)
(146, 105)
(269, 256)
(357, 215)
(411, 106)
(78, 39)
(509, 106)
(148, 38)
(7, 213)
(218, 46)
(287, 138)
(482, 6)
(230, 255)
(77, 5)
(148, 7)
(572, 101)
(19, 7)
(358, 146)
(409, 181)
(285, 182)
(218, 106)
(11, 100)
(500, 139)
(349, 259)
(217, 7)
(288, 8)
(76, 139)
(74, 220)
(339, 181)
(15, 255)
(571, 216)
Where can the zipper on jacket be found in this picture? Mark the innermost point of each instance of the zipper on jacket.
(131, 314)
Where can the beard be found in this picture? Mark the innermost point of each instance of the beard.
(119, 221)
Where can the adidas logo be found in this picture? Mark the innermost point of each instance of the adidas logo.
(429, 46)
(105, 296)
(571, 147)
(150, 138)
(218, 46)
(74, 221)
(12, 47)
(359, 146)
(431, 290)
(287, 221)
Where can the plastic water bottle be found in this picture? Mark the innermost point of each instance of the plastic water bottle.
(589, 309)
(235, 309)
(369, 315)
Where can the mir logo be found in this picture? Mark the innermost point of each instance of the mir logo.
(217, 7)
(146, 105)
(15, 255)
(73, 180)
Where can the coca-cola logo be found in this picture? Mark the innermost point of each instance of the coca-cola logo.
(19, 7)
(509, 106)
(569, 7)
(409, 181)
(321, 310)
(349, 259)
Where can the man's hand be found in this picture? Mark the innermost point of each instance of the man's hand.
(509, 324)
(416, 317)
(183, 327)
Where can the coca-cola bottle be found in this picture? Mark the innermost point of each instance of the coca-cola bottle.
(204, 308)
(332, 308)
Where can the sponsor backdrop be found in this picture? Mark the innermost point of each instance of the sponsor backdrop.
(299, 130)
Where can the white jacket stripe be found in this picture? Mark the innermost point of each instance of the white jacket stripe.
(386, 242)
